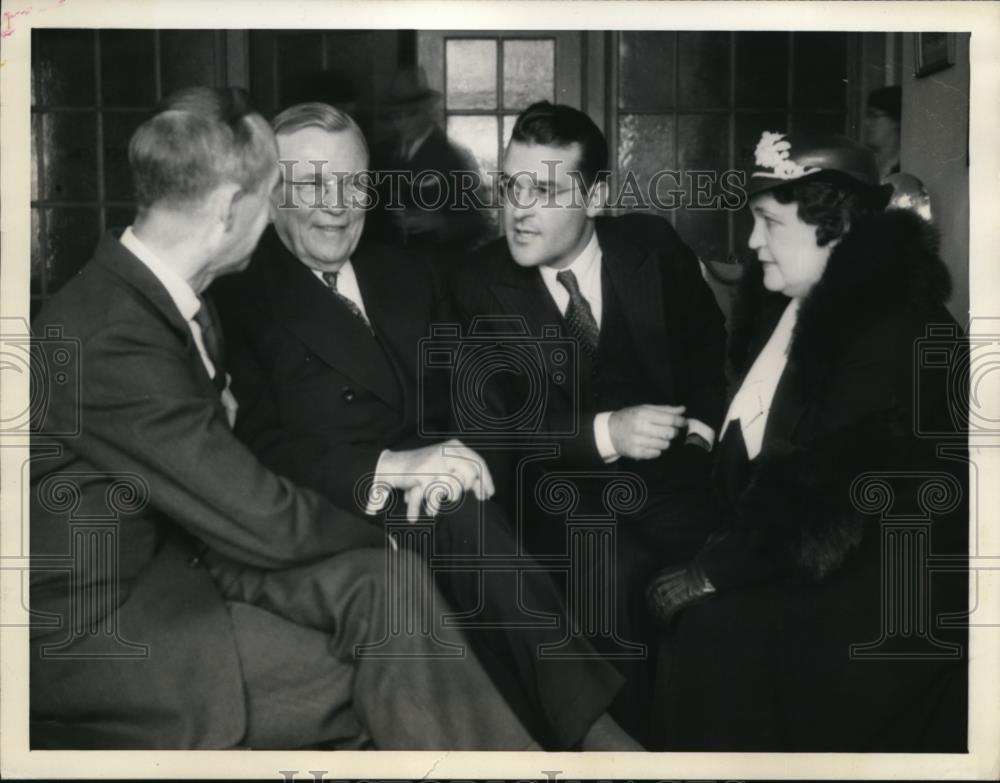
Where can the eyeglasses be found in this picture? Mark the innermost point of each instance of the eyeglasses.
(337, 189)
(524, 190)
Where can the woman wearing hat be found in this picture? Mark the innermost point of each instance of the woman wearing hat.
(759, 628)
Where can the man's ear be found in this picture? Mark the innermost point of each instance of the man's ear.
(226, 200)
(597, 199)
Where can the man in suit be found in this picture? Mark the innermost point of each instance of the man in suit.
(324, 335)
(167, 560)
(649, 385)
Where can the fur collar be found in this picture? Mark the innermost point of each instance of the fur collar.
(886, 264)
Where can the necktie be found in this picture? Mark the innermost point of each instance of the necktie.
(211, 338)
(330, 278)
(579, 316)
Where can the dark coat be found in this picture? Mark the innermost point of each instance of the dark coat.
(766, 663)
(320, 396)
(672, 319)
(446, 194)
(155, 460)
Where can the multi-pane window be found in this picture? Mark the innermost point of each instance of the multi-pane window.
(488, 81)
(90, 89)
(693, 105)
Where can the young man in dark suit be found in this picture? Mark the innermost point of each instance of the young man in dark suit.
(648, 385)
(167, 561)
(324, 337)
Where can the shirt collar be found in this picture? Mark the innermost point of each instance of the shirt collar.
(346, 272)
(184, 297)
(582, 266)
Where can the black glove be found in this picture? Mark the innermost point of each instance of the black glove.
(675, 587)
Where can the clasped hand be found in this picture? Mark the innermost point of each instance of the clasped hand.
(435, 475)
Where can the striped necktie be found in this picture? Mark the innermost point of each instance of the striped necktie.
(330, 278)
(579, 316)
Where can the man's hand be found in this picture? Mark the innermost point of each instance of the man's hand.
(645, 431)
(435, 475)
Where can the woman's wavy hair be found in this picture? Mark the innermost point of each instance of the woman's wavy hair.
(831, 203)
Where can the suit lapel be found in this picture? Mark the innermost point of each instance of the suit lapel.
(309, 310)
(114, 257)
(636, 280)
(522, 293)
(399, 319)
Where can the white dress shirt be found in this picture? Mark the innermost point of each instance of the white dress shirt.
(753, 400)
(187, 303)
(586, 267)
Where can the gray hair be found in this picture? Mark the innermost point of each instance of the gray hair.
(198, 139)
(317, 115)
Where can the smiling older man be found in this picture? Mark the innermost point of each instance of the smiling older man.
(324, 335)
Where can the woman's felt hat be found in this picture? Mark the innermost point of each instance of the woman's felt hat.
(781, 158)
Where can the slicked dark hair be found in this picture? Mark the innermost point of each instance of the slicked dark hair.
(558, 125)
(198, 139)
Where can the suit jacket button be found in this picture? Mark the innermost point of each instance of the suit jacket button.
(194, 561)
(347, 394)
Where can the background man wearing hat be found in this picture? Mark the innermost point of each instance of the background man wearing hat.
(881, 128)
(431, 214)
(212, 548)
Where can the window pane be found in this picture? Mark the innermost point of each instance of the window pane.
(645, 147)
(72, 235)
(118, 129)
(471, 74)
(69, 144)
(706, 232)
(818, 122)
(703, 61)
(703, 141)
(508, 128)
(299, 57)
(63, 67)
(645, 142)
(646, 68)
(128, 76)
(36, 125)
(37, 268)
(703, 151)
(528, 72)
(187, 59)
(762, 70)
(478, 137)
(820, 70)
